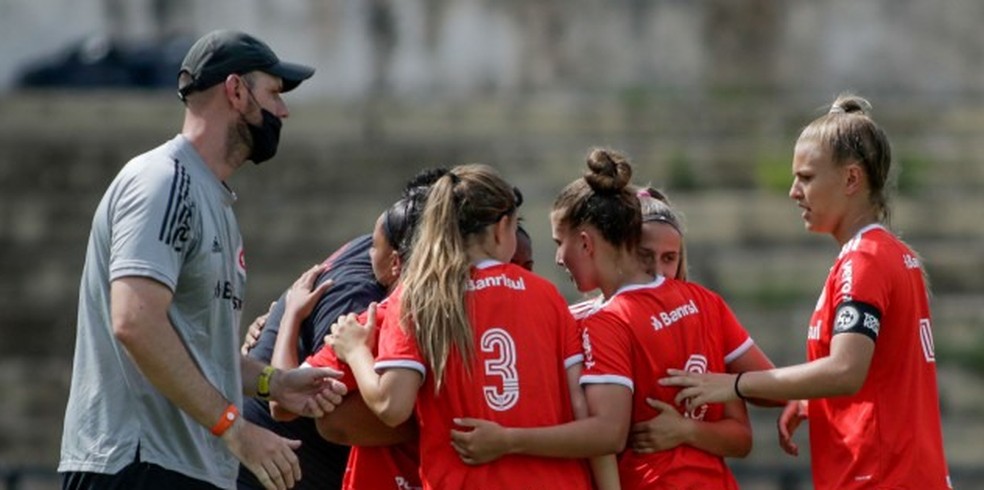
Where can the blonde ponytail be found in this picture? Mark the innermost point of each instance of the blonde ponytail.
(460, 204)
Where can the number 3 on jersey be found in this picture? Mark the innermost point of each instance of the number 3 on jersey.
(500, 397)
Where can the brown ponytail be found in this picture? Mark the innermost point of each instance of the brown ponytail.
(603, 200)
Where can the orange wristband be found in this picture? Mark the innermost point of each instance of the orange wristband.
(229, 416)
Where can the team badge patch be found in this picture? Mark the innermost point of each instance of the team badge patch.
(857, 317)
(847, 317)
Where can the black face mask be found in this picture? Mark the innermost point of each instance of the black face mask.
(266, 137)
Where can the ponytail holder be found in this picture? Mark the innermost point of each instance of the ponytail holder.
(836, 110)
(643, 193)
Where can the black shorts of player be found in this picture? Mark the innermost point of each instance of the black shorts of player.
(857, 317)
(145, 476)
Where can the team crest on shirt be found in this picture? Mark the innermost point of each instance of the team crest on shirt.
(696, 363)
(241, 260)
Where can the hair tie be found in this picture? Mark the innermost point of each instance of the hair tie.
(837, 110)
(643, 193)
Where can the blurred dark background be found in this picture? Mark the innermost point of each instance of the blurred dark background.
(706, 97)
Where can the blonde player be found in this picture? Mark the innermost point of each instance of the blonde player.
(871, 373)
(644, 325)
(470, 335)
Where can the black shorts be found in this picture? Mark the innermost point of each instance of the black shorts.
(136, 475)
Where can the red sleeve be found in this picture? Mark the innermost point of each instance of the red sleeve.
(325, 356)
(607, 351)
(397, 347)
(736, 340)
(571, 335)
(862, 278)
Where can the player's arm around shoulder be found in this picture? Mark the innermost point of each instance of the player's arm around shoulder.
(391, 394)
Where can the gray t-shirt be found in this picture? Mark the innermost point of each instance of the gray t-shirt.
(167, 217)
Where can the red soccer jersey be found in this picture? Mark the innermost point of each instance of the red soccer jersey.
(736, 338)
(524, 341)
(584, 308)
(325, 357)
(632, 339)
(380, 467)
(383, 467)
(888, 434)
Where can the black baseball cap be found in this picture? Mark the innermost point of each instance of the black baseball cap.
(219, 54)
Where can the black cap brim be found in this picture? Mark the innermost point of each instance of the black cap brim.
(292, 74)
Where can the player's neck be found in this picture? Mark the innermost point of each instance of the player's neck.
(852, 224)
(625, 271)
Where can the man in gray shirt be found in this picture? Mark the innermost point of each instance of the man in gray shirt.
(158, 377)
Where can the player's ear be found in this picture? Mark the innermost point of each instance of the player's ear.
(853, 178)
(503, 228)
(396, 264)
(586, 242)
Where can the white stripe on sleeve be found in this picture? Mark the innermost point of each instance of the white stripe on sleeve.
(608, 379)
(743, 348)
(381, 366)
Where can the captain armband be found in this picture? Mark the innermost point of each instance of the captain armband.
(857, 317)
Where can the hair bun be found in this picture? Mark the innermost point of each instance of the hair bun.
(420, 183)
(850, 104)
(608, 171)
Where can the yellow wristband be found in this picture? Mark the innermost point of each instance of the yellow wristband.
(263, 382)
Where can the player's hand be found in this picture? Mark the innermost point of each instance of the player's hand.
(347, 334)
(665, 431)
(303, 295)
(480, 441)
(701, 388)
(254, 331)
(789, 420)
(267, 455)
(308, 391)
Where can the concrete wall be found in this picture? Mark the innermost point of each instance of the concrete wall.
(706, 97)
(462, 48)
(332, 178)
